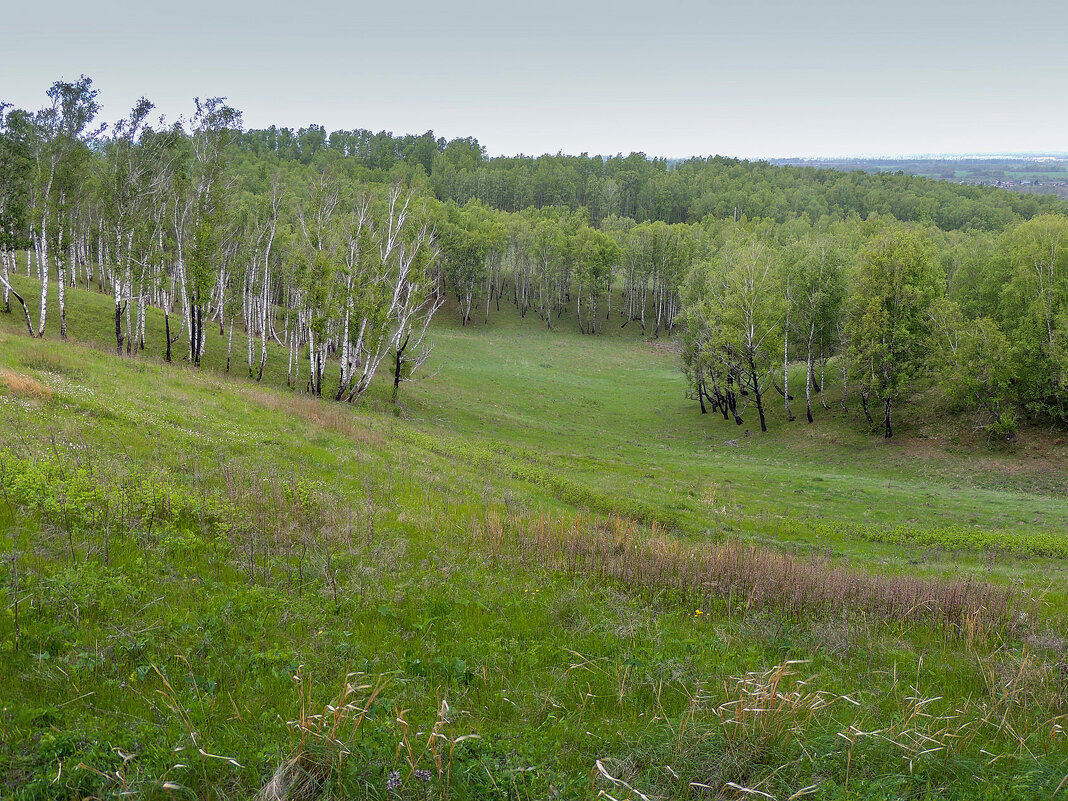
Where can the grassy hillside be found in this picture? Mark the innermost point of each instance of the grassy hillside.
(544, 574)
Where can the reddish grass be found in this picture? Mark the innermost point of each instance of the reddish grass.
(25, 386)
(752, 577)
(334, 416)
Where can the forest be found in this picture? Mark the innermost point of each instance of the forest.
(343, 247)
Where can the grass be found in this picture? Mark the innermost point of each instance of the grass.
(544, 575)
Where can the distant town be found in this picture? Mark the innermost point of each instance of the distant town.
(1039, 173)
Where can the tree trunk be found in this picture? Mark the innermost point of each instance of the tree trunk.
(732, 400)
(721, 403)
(167, 330)
(61, 286)
(5, 275)
(128, 286)
(18, 297)
(118, 325)
(249, 333)
(229, 344)
(397, 364)
(757, 393)
(786, 369)
(864, 405)
(809, 367)
(42, 268)
(823, 379)
(888, 402)
(196, 332)
(142, 316)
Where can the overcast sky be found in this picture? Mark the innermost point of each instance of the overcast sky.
(750, 78)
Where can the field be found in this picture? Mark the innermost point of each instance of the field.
(544, 574)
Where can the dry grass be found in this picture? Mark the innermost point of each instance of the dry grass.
(323, 740)
(929, 729)
(764, 712)
(333, 416)
(747, 576)
(24, 386)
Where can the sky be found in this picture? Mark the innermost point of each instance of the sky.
(747, 78)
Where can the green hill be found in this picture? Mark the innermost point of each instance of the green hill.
(543, 574)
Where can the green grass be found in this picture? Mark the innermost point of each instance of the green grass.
(183, 543)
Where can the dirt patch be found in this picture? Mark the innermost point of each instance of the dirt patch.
(670, 347)
(1039, 455)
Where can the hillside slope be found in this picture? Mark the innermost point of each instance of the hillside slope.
(537, 548)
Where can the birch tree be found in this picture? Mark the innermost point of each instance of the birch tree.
(319, 258)
(61, 135)
(135, 175)
(204, 212)
(897, 283)
(464, 238)
(753, 318)
(594, 255)
(16, 176)
(816, 276)
(980, 375)
(401, 288)
(1035, 312)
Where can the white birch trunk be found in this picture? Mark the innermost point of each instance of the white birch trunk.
(42, 266)
(6, 271)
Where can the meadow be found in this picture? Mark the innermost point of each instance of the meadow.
(542, 574)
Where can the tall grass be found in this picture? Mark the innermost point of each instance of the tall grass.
(746, 576)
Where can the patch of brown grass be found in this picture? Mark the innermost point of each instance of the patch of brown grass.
(335, 417)
(750, 576)
(24, 386)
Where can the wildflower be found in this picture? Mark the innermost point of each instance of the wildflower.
(697, 613)
(421, 775)
(394, 780)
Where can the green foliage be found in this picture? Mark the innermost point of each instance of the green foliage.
(889, 327)
(982, 373)
(1035, 312)
(293, 237)
(16, 175)
(649, 189)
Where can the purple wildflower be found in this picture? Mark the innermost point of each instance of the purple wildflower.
(394, 780)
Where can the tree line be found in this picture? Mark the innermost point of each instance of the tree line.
(340, 248)
(155, 215)
(642, 188)
(884, 310)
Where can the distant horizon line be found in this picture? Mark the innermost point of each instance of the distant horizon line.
(1021, 155)
(933, 156)
(913, 156)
